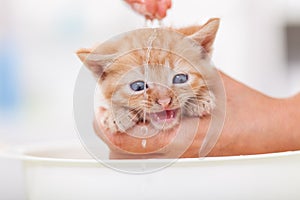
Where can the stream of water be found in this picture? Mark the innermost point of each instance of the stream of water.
(149, 47)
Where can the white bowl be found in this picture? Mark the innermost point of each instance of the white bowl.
(66, 171)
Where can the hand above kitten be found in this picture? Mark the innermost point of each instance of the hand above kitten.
(151, 9)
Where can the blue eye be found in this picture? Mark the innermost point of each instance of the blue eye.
(180, 78)
(138, 86)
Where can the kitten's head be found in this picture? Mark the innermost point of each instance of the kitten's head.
(175, 81)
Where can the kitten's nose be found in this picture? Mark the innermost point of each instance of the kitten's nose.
(164, 102)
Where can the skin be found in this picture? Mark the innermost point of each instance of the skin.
(151, 9)
(254, 124)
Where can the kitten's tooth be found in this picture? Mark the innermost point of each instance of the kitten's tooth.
(172, 114)
(157, 118)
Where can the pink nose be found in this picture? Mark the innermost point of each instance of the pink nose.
(164, 102)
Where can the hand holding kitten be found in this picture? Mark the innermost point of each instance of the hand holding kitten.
(254, 124)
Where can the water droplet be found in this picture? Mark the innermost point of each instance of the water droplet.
(144, 131)
(144, 143)
(153, 23)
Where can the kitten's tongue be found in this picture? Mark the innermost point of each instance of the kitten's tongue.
(164, 115)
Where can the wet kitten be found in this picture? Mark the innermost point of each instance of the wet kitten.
(174, 84)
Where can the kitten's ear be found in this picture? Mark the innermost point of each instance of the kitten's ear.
(95, 62)
(207, 34)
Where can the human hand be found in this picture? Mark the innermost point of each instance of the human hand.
(164, 144)
(151, 9)
(254, 124)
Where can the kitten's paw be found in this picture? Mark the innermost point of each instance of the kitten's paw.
(125, 120)
(207, 104)
(206, 107)
(202, 107)
(119, 121)
(109, 123)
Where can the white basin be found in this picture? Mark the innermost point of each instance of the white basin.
(66, 171)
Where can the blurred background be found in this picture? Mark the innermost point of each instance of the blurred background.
(258, 44)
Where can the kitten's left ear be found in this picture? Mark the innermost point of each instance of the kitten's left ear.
(95, 62)
(207, 34)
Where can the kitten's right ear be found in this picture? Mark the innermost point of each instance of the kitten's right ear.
(94, 61)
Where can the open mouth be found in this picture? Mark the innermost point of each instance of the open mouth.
(164, 116)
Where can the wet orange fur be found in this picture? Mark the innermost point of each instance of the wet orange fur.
(123, 59)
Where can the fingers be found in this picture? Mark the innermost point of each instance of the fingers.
(151, 9)
(164, 144)
(162, 7)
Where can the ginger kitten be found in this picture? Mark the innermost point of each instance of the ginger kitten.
(157, 86)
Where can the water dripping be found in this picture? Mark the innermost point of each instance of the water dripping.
(153, 36)
(144, 143)
(144, 131)
(153, 23)
(146, 71)
(148, 23)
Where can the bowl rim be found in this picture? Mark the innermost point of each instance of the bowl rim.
(23, 153)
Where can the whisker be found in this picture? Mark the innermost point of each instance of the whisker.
(134, 116)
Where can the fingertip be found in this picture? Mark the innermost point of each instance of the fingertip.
(151, 7)
(169, 3)
(162, 9)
